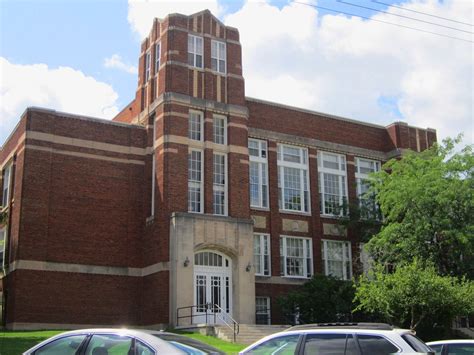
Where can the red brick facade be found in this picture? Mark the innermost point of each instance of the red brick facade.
(83, 246)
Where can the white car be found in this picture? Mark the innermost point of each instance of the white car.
(453, 347)
(340, 339)
(120, 342)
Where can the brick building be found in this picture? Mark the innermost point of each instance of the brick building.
(193, 194)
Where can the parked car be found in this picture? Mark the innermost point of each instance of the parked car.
(120, 342)
(340, 339)
(452, 347)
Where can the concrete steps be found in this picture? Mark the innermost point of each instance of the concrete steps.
(248, 333)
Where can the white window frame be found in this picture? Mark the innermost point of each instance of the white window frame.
(360, 176)
(262, 239)
(191, 132)
(303, 167)
(216, 134)
(157, 57)
(262, 165)
(218, 56)
(341, 174)
(346, 258)
(306, 249)
(3, 245)
(147, 65)
(193, 51)
(6, 184)
(268, 307)
(219, 187)
(196, 183)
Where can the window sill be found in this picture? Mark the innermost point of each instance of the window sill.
(296, 277)
(256, 208)
(333, 216)
(300, 213)
(261, 275)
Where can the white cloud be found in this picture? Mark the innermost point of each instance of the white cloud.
(142, 12)
(62, 89)
(115, 61)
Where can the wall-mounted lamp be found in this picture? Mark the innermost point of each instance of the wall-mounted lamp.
(248, 267)
(186, 262)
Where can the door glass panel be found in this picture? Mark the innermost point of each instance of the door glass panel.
(372, 344)
(201, 293)
(63, 346)
(109, 345)
(216, 293)
(227, 294)
(284, 345)
(328, 344)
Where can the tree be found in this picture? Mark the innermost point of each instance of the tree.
(427, 200)
(322, 299)
(413, 293)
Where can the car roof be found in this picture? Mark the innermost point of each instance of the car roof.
(452, 341)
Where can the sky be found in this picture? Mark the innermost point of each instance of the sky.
(81, 56)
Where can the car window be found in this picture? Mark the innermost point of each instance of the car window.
(416, 343)
(188, 345)
(437, 349)
(109, 344)
(282, 345)
(351, 346)
(142, 349)
(328, 344)
(460, 349)
(374, 344)
(63, 346)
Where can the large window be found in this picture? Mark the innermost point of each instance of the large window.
(296, 257)
(261, 254)
(195, 181)
(3, 238)
(220, 129)
(258, 173)
(6, 178)
(293, 178)
(332, 184)
(196, 127)
(337, 259)
(195, 51)
(220, 184)
(262, 310)
(157, 57)
(218, 56)
(147, 65)
(367, 203)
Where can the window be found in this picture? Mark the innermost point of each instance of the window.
(261, 253)
(195, 129)
(195, 181)
(332, 184)
(195, 51)
(258, 170)
(157, 57)
(220, 184)
(67, 346)
(218, 56)
(418, 344)
(147, 65)
(220, 129)
(262, 310)
(143, 349)
(7, 172)
(296, 257)
(285, 344)
(365, 259)
(374, 344)
(330, 344)
(337, 259)
(367, 203)
(293, 178)
(3, 241)
(110, 343)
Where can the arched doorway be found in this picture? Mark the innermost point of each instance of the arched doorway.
(212, 286)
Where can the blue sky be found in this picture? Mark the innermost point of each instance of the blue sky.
(335, 64)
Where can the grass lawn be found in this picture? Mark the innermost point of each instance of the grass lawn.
(15, 342)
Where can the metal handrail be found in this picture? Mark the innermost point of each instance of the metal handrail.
(234, 326)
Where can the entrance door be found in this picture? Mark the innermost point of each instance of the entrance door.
(212, 287)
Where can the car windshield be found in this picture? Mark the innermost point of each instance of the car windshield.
(188, 345)
(416, 343)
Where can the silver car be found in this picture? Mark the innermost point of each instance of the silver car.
(120, 342)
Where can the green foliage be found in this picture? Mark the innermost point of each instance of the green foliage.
(322, 299)
(427, 200)
(414, 293)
